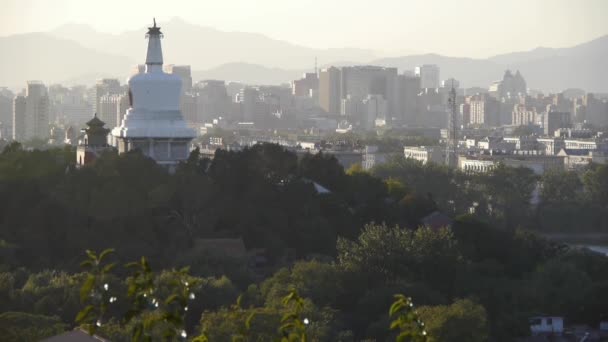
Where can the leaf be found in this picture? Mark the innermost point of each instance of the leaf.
(84, 314)
(249, 320)
(105, 253)
(86, 264)
(145, 265)
(91, 254)
(132, 264)
(395, 308)
(108, 268)
(172, 298)
(87, 287)
(137, 331)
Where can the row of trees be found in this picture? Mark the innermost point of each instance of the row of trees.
(486, 274)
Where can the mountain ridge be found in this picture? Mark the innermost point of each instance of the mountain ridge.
(77, 52)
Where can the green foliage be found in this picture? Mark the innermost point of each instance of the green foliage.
(462, 321)
(25, 327)
(406, 320)
(94, 292)
(397, 253)
(293, 325)
(596, 184)
(317, 244)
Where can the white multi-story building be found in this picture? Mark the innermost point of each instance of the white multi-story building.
(475, 164)
(581, 144)
(154, 122)
(425, 154)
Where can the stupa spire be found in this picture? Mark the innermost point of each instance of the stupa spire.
(154, 57)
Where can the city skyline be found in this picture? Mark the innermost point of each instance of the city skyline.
(465, 29)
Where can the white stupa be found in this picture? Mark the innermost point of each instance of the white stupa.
(154, 123)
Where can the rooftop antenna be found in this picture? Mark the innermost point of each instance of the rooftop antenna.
(451, 151)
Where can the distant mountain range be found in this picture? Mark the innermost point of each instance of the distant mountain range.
(77, 53)
(582, 66)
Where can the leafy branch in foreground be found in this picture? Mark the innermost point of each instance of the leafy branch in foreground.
(293, 327)
(95, 290)
(158, 304)
(406, 320)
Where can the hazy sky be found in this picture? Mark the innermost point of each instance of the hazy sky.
(474, 28)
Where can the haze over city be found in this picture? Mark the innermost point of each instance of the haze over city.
(412, 171)
(467, 28)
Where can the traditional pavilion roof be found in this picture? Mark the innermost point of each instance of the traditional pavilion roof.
(96, 127)
(95, 122)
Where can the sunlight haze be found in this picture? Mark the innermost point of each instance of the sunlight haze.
(471, 28)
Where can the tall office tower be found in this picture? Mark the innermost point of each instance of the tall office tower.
(106, 86)
(579, 110)
(187, 99)
(307, 86)
(360, 81)
(31, 119)
(6, 113)
(465, 114)
(484, 110)
(374, 110)
(185, 74)
(248, 98)
(561, 103)
(19, 118)
(154, 122)
(595, 110)
(57, 93)
(523, 115)
(429, 76)
(213, 100)
(408, 88)
(74, 109)
(109, 109)
(553, 120)
(329, 90)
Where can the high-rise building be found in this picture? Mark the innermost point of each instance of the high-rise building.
(249, 99)
(19, 104)
(6, 113)
(307, 86)
(31, 113)
(429, 76)
(109, 109)
(375, 111)
(106, 86)
(553, 120)
(184, 72)
(596, 110)
(154, 122)
(213, 100)
(523, 115)
(360, 81)
(409, 88)
(484, 110)
(329, 90)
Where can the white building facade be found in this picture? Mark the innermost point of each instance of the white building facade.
(154, 123)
